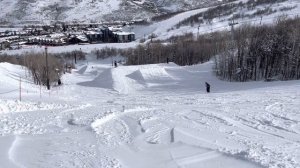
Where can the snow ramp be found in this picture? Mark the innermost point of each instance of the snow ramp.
(103, 80)
(128, 79)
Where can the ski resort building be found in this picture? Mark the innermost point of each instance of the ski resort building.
(94, 36)
(123, 37)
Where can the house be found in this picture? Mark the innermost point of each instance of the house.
(123, 37)
(53, 40)
(105, 31)
(4, 44)
(94, 36)
(76, 39)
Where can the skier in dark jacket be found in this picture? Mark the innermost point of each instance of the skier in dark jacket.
(207, 87)
(116, 64)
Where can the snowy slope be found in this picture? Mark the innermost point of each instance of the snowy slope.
(44, 11)
(155, 116)
(149, 116)
(222, 23)
(167, 28)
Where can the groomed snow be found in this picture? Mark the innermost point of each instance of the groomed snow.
(148, 116)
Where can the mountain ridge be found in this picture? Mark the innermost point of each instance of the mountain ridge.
(45, 11)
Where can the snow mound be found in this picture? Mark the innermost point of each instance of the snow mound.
(96, 125)
(82, 70)
(155, 74)
(103, 80)
(128, 79)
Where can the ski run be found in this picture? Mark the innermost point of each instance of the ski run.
(155, 115)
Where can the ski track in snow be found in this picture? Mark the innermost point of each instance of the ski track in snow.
(12, 151)
(197, 158)
(158, 114)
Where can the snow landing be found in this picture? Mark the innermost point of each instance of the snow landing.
(155, 116)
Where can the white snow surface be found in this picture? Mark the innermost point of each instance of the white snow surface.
(156, 116)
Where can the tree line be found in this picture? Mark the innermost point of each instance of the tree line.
(37, 68)
(183, 50)
(267, 52)
(249, 53)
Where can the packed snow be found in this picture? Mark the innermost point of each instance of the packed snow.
(155, 115)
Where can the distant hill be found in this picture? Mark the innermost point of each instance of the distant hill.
(45, 11)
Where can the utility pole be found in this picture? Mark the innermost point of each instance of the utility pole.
(198, 32)
(232, 44)
(20, 96)
(232, 24)
(261, 17)
(75, 57)
(47, 68)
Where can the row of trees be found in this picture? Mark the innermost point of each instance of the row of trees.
(265, 52)
(37, 67)
(183, 50)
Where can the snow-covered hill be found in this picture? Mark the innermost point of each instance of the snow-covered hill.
(44, 11)
(156, 116)
(147, 116)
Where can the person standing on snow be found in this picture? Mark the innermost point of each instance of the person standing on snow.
(207, 87)
(116, 65)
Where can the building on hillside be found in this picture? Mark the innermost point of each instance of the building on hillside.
(8, 42)
(76, 39)
(47, 40)
(123, 37)
(4, 44)
(106, 33)
(94, 36)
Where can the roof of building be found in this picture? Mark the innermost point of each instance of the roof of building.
(82, 38)
(124, 33)
(115, 29)
(93, 32)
